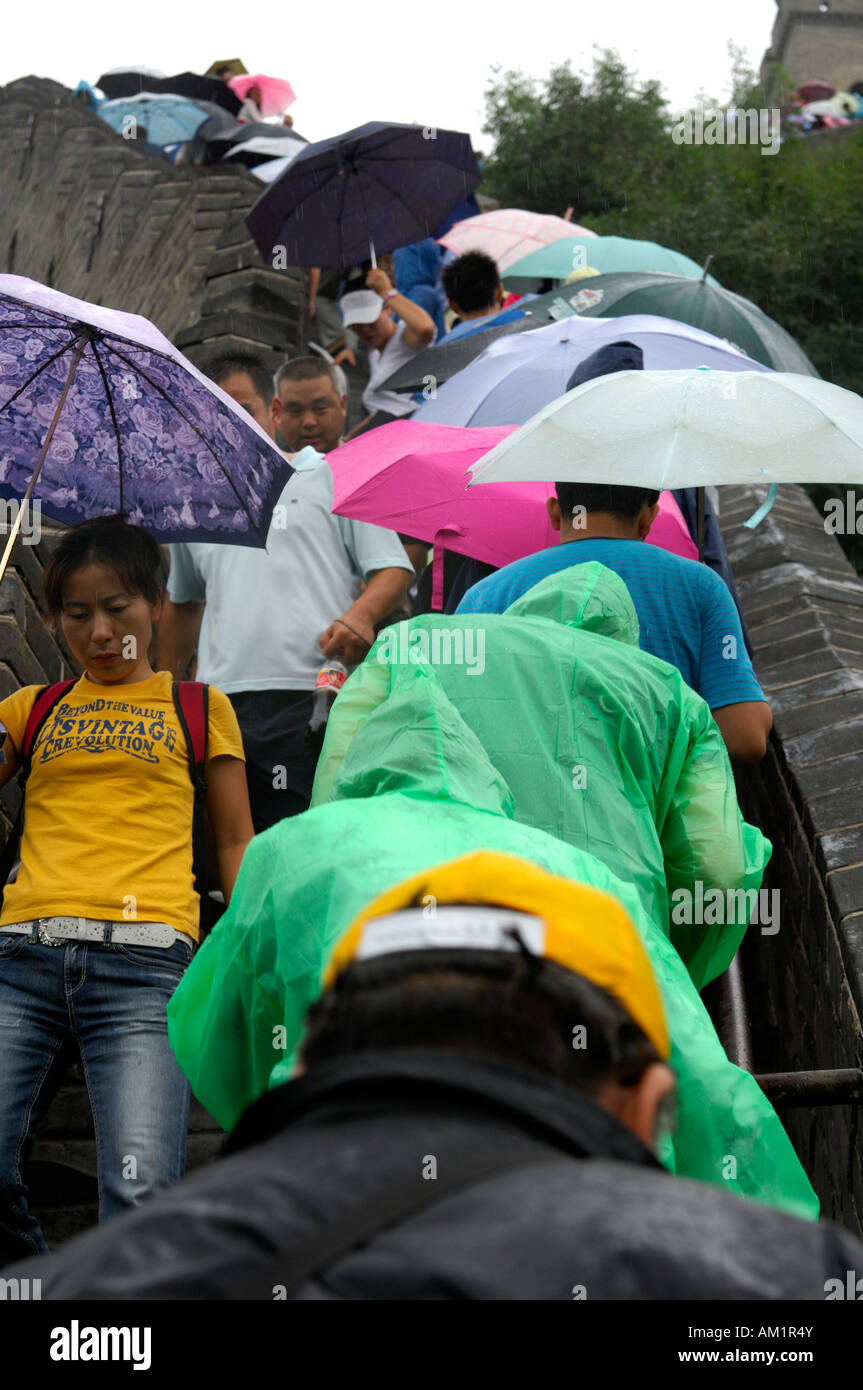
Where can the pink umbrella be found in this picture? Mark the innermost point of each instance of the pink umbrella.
(509, 234)
(412, 477)
(276, 94)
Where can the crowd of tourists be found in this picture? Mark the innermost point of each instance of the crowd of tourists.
(441, 977)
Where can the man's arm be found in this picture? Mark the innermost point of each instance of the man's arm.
(726, 678)
(179, 629)
(381, 594)
(745, 727)
(419, 326)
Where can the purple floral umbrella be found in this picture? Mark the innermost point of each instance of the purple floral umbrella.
(108, 416)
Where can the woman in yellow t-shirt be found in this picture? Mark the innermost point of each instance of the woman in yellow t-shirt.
(102, 918)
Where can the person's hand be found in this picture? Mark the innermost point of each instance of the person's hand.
(379, 281)
(287, 120)
(347, 643)
(346, 355)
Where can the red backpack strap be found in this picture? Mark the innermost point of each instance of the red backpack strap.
(192, 703)
(45, 701)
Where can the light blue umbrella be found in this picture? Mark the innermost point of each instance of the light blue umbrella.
(607, 254)
(516, 376)
(167, 119)
(687, 428)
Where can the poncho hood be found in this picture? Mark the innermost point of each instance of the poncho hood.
(590, 597)
(418, 743)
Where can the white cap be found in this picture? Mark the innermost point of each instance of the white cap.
(360, 306)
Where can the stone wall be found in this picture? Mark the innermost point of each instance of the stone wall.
(804, 609)
(812, 43)
(90, 213)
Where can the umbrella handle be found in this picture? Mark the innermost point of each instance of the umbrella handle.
(13, 535)
(437, 578)
(372, 256)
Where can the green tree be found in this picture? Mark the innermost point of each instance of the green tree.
(574, 140)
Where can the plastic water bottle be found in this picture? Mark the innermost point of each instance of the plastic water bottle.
(331, 678)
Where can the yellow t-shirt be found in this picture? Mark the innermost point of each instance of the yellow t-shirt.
(108, 804)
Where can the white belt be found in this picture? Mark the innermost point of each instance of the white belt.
(56, 931)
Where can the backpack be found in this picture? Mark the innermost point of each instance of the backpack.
(191, 702)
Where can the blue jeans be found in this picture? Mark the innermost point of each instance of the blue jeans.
(110, 1000)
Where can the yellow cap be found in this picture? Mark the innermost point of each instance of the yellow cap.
(585, 272)
(585, 930)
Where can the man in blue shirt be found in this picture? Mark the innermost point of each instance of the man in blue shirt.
(686, 614)
(472, 286)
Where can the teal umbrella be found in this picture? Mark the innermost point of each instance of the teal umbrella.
(606, 254)
(709, 307)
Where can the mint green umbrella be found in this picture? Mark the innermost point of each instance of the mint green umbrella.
(605, 254)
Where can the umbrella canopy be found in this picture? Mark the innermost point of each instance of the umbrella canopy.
(515, 377)
(709, 307)
(688, 428)
(251, 152)
(270, 170)
(131, 424)
(385, 184)
(276, 95)
(435, 365)
(605, 254)
(127, 83)
(236, 65)
(815, 91)
(124, 82)
(220, 123)
(820, 108)
(413, 478)
(509, 234)
(847, 103)
(166, 119)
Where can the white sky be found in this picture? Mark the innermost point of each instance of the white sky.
(359, 61)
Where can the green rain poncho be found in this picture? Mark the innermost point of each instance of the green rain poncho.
(601, 745)
(418, 790)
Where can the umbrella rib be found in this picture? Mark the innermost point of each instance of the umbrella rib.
(345, 182)
(114, 421)
(192, 426)
(38, 372)
(64, 326)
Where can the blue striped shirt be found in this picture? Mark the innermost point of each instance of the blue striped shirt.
(686, 615)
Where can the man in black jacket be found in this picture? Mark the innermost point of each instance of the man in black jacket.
(484, 1081)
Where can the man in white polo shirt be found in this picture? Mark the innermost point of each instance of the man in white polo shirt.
(264, 620)
(369, 313)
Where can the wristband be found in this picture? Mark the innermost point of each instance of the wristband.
(389, 295)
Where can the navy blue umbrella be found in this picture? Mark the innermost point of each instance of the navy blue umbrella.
(372, 189)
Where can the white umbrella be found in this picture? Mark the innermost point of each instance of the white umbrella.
(272, 169)
(688, 429)
(269, 144)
